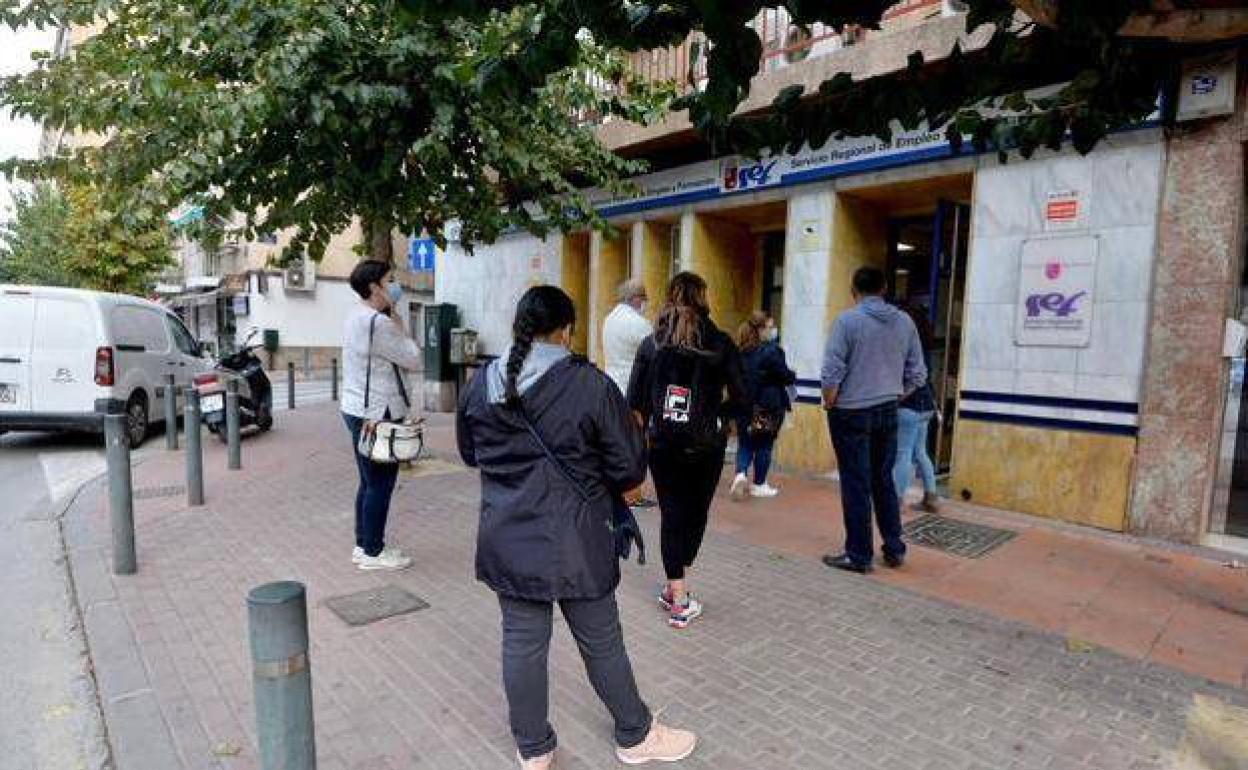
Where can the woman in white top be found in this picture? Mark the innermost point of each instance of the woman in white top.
(373, 390)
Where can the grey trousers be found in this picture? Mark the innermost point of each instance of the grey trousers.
(595, 624)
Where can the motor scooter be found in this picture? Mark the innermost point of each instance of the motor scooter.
(255, 391)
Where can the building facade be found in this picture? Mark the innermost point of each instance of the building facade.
(1080, 304)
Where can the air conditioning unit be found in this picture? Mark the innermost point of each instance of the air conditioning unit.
(300, 275)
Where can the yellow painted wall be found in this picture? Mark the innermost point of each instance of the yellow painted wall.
(726, 255)
(655, 261)
(859, 238)
(1069, 475)
(608, 269)
(804, 445)
(574, 279)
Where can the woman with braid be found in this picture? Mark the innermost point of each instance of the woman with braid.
(557, 447)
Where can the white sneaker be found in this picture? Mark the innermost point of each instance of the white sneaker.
(357, 555)
(740, 485)
(390, 558)
(763, 490)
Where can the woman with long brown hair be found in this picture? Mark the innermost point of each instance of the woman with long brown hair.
(767, 377)
(686, 387)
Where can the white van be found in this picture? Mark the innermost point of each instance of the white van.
(69, 355)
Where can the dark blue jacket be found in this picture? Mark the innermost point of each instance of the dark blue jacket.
(537, 539)
(767, 377)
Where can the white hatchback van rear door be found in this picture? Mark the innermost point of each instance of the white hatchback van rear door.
(17, 323)
(62, 371)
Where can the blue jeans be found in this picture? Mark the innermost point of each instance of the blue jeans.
(753, 451)
(865, 441)
(372, 498)
(911, 450)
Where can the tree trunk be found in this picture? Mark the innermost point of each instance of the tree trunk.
(378, 237)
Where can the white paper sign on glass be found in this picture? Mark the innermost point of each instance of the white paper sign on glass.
(1056, 288)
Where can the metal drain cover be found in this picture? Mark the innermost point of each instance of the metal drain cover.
(960, 538)
(149, 492)
(364, 607)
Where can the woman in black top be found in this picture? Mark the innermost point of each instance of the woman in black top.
(678, 391)
(546, 530)
(767, 379)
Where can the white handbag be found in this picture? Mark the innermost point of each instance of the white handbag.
(393, 442)
(390, 441)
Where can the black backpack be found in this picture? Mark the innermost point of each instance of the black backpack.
(685, 400)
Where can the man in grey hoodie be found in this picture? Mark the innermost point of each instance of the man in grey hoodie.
(873, 358)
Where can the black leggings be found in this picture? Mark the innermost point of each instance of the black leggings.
(685, 483)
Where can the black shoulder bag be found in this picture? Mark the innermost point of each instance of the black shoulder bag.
(623, 523)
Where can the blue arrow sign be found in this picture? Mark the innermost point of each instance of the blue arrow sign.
(421, 253)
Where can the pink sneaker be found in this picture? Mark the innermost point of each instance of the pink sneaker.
(663, 744)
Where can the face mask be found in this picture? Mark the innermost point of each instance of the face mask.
(644, 307)
(771, 334)
(394, 292)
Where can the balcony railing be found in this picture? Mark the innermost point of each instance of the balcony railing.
(784, 44)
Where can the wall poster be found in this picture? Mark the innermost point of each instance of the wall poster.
(1056, 288)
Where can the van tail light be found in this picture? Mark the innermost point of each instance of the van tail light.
(208, 378)
(105, 375)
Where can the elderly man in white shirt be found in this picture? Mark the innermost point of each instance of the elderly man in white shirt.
(622, 333)
(374, 351)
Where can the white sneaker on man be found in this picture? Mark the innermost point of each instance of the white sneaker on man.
(763, 490)
(357, 555)
(389, 558)
(740, 487)
(663, 744)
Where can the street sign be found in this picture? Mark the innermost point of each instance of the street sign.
(421, 253)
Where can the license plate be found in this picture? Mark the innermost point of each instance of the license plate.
(212, 403)
(8, 393)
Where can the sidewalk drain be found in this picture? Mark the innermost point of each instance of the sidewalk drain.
(148, 492)
(960, 538)
(373, 604)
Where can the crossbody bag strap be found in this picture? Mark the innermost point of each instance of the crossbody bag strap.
(398, 378)
(563, 469)
(368, 367)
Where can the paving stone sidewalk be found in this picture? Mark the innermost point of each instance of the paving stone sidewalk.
(792, 666)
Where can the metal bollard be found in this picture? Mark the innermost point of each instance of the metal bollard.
(171, 412)
(120, 494)
(333, 379)
(233, 427)
(290, 384)
(277, 619)
(194, 450)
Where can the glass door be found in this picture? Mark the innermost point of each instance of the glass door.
(927, 270)
(950, 243)
(1229, 515)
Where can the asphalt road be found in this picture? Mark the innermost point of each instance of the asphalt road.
(49, 716)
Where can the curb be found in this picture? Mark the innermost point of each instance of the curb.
(132, 724)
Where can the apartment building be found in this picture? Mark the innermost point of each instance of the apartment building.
(1081, 304)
